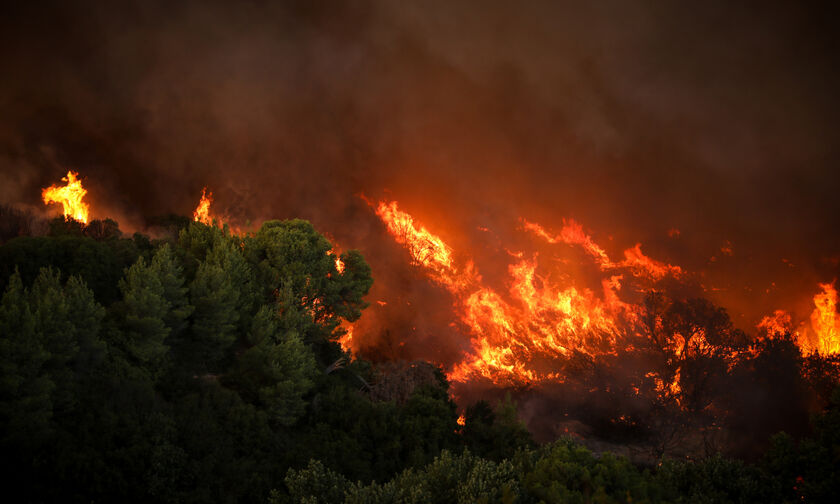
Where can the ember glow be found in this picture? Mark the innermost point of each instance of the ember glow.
(70, 196)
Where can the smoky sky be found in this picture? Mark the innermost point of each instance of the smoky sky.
(633, 118)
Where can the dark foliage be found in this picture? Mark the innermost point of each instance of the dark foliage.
(203, 367)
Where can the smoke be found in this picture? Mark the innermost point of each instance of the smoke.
(632, 118)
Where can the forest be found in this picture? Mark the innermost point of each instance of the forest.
(203, 366)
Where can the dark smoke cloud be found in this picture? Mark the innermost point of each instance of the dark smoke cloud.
(631, 117)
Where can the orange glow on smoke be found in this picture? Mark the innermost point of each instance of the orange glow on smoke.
(70, 197)
(202, 211)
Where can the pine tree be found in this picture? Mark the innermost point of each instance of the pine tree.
(277, 371)
(171, 275)
(25, 390)
(295, 267)
(145, 306)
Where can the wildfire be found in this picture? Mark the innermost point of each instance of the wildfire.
(777, 323)
(571, 234)
(664, 389)
(823, 333)
(824, 336)
(204, 215)
(202, 211)
(70, 197)
(426, 249)
(516, 334)
(635, 260)
(346, 339)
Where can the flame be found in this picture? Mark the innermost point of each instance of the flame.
(346, 339)
(70, 196)
(339, 265)
(777, 323)
(571, 234)
(425, 249)
(202, 211)
(824, 336)
(664, 389)
(203, 214)
(516, 334)
(674, 388)
(462, 421)
(635, 260)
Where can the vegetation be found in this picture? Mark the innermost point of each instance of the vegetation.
(203, 367)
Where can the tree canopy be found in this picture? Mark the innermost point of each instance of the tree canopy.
(204, 366)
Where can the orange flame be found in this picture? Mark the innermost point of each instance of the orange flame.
(635, 260)
(517, 336)
(825, 324)
(514, 335)
(777, 323)
(346, 339)
(70, 196)
(571, 234)
(203, 214)
(425, 249)
(202, 211)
